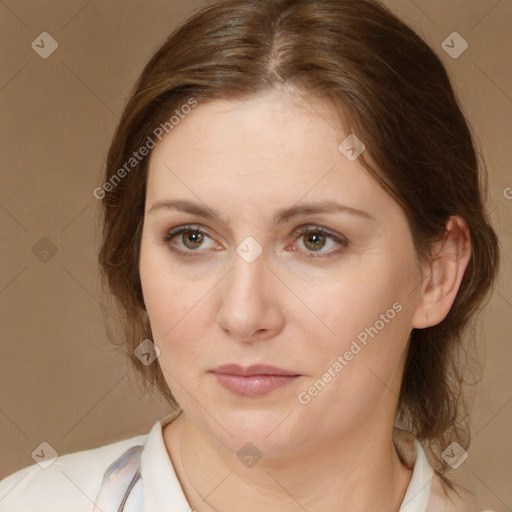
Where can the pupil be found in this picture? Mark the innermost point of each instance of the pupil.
(193, 239)
(314, 239)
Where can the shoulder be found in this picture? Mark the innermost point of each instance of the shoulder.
(451, 498)
(443, 496)
(71, 482)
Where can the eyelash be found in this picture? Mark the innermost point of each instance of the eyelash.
(300, 231)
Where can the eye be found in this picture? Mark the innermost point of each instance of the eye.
(189, 240)
(315, 238)
(312, 240)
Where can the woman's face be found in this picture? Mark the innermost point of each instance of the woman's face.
(325, 295)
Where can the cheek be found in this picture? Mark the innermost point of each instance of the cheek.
(356, 301)
(178, 326)
(359, 365)
(370, 313)
(169, 306)
(169, 295)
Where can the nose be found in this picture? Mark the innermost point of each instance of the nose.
(250, 308)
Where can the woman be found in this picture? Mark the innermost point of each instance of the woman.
(295, 235)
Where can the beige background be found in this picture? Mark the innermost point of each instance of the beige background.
(60, 381)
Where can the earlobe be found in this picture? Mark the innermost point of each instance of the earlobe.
(450, 259)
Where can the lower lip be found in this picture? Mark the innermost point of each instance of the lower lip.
(253, 385)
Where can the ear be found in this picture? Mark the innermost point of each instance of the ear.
(450, 258)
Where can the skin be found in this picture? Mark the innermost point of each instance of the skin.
(246, 160)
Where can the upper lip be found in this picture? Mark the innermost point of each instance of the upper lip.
(255, 369)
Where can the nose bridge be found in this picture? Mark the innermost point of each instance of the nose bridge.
(245, 306)
(247, 279)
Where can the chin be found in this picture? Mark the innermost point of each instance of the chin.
(271, 432)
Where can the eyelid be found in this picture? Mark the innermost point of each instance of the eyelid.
(169, 235)
(184, 228)
(312, 228)
(300, 230)
(307, 228)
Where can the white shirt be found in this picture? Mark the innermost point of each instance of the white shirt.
(72, 482)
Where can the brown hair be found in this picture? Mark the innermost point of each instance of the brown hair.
(399, 101)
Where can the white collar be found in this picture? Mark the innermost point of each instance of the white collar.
(162, 490)
(418, 493)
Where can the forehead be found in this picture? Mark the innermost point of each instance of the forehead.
(274, 122)
(269, 147)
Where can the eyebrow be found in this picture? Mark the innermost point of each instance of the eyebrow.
(281, 215)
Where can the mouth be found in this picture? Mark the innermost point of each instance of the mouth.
(253, 381)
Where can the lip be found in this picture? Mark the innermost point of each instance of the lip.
(249, 371)
(253, 381)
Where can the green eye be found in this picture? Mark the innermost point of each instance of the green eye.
(316, 238)
(191, 239)
(314, 241)
(194, 238)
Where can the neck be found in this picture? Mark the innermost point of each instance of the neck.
(361, 474)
